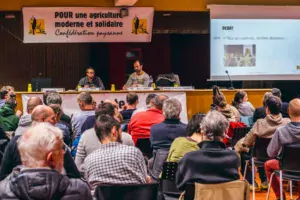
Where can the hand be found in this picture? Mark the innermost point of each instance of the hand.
(134, 85)
(86, 86)
(124, 87)
(148, 179)
(19, 113)
(124, 107)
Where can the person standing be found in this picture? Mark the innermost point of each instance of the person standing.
(91, 81)
(139, 78)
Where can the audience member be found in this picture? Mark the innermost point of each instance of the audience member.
(183, 145)
(263, 128)
(229, 111)
(149, 104)
(85, 102)
(65, 130)
(260, 112)
(113, 162)
(9, 119)
(89, 141)
(11, 157)
(163, 134)
(3, 97)
(132, 99)
(213, 163)
(284, 109)
(55, 98)
(241, 103)
(25, 121)
(284, 135)
(139, 125)
(41, 151)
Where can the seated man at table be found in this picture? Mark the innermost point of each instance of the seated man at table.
(114, 162)
(139, 78)
(91, 81)
(140, 124)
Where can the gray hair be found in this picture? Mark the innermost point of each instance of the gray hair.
(159, 101)
(172, 108)
(85, 97)
(266, 96)
(214, 125)
(37, 142)
(54, 98)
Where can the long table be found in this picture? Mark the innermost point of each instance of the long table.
(196, 100)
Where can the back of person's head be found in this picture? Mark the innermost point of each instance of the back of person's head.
(107, 128)
(273, 104)
(132, 98)
(218, 98)
(54, 98)
(159, 101)
(43, 113)
(3, 94)
(32, 103)
(11, 102)
(266, 96)
(8, 88)
(294, 109)
(105, 109)
(150, 99)
(276, 92)
(172, 108)
(238, 98)
(42, 146)
(86, 98)
(214, 125)
(194, 124)
(45, 96)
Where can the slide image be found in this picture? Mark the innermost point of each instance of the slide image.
(240, 55)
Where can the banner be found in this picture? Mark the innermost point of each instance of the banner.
(70, 105)
(87, 24)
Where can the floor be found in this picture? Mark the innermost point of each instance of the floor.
(262, 195)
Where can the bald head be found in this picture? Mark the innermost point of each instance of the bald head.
(42, 113)
(294, 108)
(32, 103)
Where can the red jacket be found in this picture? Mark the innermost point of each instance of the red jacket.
(140, 123)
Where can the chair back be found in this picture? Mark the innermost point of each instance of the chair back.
(144, 145)
(127, 192)
(259, 150)
(239, 133)
(234, 190)
(289, 159)
(167, 181)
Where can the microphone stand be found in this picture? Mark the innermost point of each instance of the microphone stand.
(231, 83)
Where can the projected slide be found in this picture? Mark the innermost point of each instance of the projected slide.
(255, 49)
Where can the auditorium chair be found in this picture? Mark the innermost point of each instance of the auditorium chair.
(259, 157)
(127, 192)
(234, 190)
(289, 163)
(238, 133)
(167, 182)
(144, 145)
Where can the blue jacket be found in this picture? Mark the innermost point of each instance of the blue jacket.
(163, 134)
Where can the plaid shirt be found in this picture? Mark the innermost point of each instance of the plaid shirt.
(115, 163)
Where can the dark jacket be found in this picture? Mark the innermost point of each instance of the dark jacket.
(126, 114)
(163, 134)
(284, 109)
(46, 184)
(11, 159)
(210, 165)
(156, 163)
(259, 113)
(88, 123)
(8, 119)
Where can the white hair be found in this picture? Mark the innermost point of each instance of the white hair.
(37, 142)
(214, 125)
(172, 108)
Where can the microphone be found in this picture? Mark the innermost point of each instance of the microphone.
(37, 82)
(231, 84)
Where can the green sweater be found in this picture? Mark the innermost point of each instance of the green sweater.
(8, 120)
(180, 147)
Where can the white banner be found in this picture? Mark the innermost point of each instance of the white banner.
(70, 105)
(87, 24)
